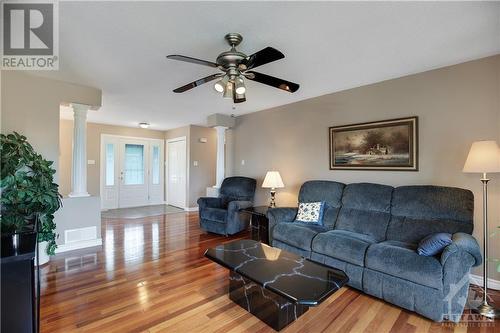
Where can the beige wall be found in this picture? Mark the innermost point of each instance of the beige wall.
(94, 132)
(30, 106)
(177, 133)
(456, 105)
(203, 175)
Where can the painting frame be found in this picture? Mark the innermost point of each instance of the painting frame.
(335, 134)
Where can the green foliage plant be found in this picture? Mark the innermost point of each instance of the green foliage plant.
(27, 190)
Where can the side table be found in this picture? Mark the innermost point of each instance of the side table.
(259, 223)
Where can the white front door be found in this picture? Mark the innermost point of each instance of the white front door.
(131, 172)
(176, 172)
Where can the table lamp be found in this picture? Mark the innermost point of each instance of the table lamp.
(484, 157)
(273, 181)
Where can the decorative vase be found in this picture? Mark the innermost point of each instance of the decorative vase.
(44, 257)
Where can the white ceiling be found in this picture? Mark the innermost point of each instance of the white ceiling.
(120, 47)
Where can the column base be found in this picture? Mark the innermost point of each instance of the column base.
(78, 195)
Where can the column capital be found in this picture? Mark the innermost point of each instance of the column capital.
(80, 109)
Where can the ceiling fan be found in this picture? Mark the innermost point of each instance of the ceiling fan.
(235, 67)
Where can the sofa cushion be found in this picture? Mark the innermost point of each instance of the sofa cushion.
(400, 259)
(366, 209)
(322, 190)
(344, 245)
(418, 211)
(214, 214)
(297, 234)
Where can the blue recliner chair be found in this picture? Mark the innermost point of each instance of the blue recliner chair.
(221, 215)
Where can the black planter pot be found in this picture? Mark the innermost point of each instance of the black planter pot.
(14, 244)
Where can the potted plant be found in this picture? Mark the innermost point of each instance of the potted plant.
(28, 193)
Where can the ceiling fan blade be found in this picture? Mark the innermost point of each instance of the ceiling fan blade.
(272, 81)
(192, 60)
(262, 57)
(197, 83)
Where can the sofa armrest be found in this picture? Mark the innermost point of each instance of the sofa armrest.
(462, 242)
(211, 202)
(277, 215)
(237, 205)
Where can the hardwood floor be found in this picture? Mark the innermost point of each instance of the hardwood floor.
(150, 276)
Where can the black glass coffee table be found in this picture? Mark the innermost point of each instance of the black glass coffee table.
(274, 285)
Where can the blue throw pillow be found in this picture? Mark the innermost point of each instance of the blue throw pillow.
(434, 244)
(310, 213)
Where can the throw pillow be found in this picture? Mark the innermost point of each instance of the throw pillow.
(433, 244)
(310, 212)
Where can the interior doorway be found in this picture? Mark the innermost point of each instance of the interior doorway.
(176, 172)
(131, 171)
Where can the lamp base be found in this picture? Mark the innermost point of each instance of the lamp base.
(487, 311)
(272, 204)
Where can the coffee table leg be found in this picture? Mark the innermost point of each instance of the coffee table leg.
(273, 309)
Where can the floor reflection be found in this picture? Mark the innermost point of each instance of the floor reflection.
(79, 262)
(133, 243)
(155, 234)
(109, 250)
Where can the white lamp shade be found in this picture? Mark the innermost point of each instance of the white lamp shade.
(484, 157)
(273, 180)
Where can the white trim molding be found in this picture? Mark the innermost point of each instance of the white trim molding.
(78, 245)
(478, 280)
(191, 209)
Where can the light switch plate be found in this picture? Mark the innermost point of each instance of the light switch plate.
(91, 162)
(242, 162)
(195, 163)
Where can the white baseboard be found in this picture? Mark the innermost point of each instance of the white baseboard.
(478, 280)
(78, 245)
(191, 209)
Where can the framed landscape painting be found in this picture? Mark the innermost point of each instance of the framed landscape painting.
(382, 145)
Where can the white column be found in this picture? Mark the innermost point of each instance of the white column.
(221, 141)
(79, 167)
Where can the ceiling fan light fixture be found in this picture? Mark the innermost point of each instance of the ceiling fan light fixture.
(219, 87)
(239, 98)
(228, 92)
(239, 85)
(221, 84)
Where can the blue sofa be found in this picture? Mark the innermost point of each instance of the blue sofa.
(371, 232)
(221, 215)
